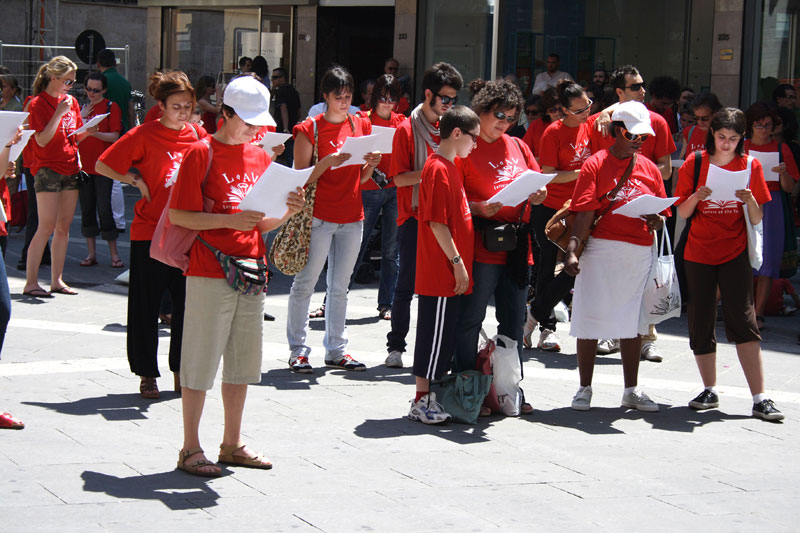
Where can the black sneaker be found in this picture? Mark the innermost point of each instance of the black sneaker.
(705, 400)
(766, 410)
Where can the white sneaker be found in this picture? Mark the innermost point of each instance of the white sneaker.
(549, 341)
(530, 327)
(607, 346)
(427, 410)
(636, 399)
(582, 400)
(650, 352)
(394, 359)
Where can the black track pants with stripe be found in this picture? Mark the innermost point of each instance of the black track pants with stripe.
(437, 317)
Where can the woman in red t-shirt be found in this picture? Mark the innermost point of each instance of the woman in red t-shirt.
(206, 88)
(156, 150)
(336, 227)
(221, 321)
(613, 269)
(497, 160)
(548, 112)
(564, 148)
(703, 108)
(760, 121)
(54, 115)
(95, 194)
(716, 259)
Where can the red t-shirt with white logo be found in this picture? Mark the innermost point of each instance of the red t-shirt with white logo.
(533, 137)
(599, 175)
(489, 169)
(91, 147)
(402, 162)
(653, 148)
(442, 199)
(563, 148)
(61, 153)
(395, 119)
(698, 140)
(234, 170)
(338, 197)
(788, 159)
(717, 234)
(157, 152)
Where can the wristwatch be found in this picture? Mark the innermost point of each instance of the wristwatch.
(456, 260)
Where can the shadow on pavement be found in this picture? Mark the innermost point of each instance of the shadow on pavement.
(567, 361)
(285, 379)
(111, 407)
(403, 427)
(174, 489)
(600, 420)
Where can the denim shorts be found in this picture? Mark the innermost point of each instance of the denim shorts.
(48, 180)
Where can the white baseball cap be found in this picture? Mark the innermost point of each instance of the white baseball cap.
(250, 99)
(635, 116)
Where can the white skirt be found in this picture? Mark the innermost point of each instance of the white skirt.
(607, 302)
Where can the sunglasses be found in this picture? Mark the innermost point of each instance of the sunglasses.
(90, 90)
(502, 116)
(636, 87)
(553, 110)
(702, 119)
(275, 77)
(767, 126)
(68, 82)
(448, 99)
(583, 109)
(387, 100)
(532, 112)
(635, 138)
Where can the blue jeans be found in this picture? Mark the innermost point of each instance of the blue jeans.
(509, 301)
(377, 202)
(338, 244)
(404, 290)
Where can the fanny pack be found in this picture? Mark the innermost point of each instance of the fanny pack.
(244, 274)
(497, 236)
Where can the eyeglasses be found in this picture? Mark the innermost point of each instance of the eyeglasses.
(791, 96)
(68, 82)
(532, 112)
(636, 87)
(552, 110)
(387, 100)
(767, 126)
(502, 116)
(474, 137)
(700, 118)
(90, 90)
(583, 109)
(448, 99)
(635, 138)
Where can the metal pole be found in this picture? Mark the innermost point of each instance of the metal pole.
(495, 31)
(127, 59)
(1, 52)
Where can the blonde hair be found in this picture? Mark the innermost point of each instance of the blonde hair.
(58, 67)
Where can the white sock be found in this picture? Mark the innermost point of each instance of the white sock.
(628, 389)
(758, 398)
(712, 389)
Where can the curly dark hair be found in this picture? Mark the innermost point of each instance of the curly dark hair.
(759, 111)
(385, 85)
(494, 95)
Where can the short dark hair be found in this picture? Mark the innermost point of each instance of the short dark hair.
(385, 84)
(500, 94)
(460, 117)
(617, 80)
(728, 118)
(708, 100)
(98, 76)
(106, 58)
(789, 122)
(553, 54)
(780, 91)
(759, 111)
(665, 87)
(600, 69)
(548, 101)
(533, 99)
(440, 74)
(261, 67)
(336, 80)
(280, 71)
(243, 60)
(567, 90)
(362, 88)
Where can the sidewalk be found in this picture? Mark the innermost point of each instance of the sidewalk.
(96, 457)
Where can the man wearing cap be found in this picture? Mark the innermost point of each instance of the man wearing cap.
(221, 321)
(612, 272)
(658, 148)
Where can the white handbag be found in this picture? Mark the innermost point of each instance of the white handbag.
(755, 234)
(662, 295)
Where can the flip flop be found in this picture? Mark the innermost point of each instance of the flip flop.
(64, 290)
(7, 421)
(117, 263)
(88, 262)
(37, 293)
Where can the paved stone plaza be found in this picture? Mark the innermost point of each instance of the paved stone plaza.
(96, 457)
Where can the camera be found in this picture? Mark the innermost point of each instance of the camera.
(379, 178)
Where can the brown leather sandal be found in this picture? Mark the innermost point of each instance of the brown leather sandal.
(148, 389)
(227, 457)
(194, 468)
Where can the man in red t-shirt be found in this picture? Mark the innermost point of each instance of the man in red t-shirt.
(444, 259)
(416, 138)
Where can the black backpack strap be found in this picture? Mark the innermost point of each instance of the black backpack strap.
(780, 152)
(698, 163)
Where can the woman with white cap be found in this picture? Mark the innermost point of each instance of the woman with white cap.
(617, 257)
(223, 319)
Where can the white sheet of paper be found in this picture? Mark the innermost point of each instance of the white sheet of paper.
(724, 183)
(272, 189)
(518, 190)
(94, 121)
(358, 147)
(768, 161)
(9, 122)
(273, 139)
(17, 148)
(386, 136)
(647, 204)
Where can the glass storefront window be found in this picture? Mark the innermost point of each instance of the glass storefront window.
(780, 46)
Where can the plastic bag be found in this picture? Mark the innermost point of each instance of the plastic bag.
(507, 372)
(662, 295)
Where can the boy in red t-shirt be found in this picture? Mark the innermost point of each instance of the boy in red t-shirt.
(444, 258)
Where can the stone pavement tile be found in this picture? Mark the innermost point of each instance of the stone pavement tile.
(787, 479)
(775, 506)
(631, 487)
(18, 489)
(159, 476)
(254, 514)
(72, 483)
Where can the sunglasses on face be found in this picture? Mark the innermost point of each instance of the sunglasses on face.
(474, 137)
(552, 110)
(583, 109)
(635, 138)
(90, 90)
(636, 87)
(702, 119)
(532, 112)
(502, 116)
(68, 82)
(448, 99)
(387, 100)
